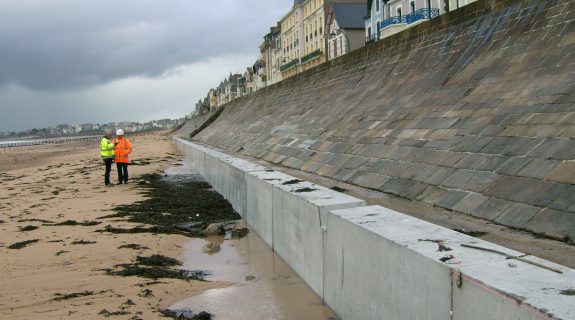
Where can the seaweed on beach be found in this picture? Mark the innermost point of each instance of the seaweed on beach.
(186, 314)
(133, 246)
(61, 296)
(74, 223)
(107, 313)
(22, 244)
(28, 228)
(76, 242)
(174, 205)
(35, 220)
(156, 267)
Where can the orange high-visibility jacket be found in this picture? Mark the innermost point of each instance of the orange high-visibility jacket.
(122, 148)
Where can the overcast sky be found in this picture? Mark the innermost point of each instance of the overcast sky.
(72, 61)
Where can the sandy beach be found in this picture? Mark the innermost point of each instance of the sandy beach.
(59, 273)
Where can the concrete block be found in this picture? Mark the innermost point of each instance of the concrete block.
(298, 221)
(259, 198)
(418, 277)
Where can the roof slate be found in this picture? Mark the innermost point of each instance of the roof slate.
(349, 15)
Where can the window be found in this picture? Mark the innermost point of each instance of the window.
(412, 6)
(398, 10)
(377, 5)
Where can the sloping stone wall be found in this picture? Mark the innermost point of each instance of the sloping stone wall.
(473, 112)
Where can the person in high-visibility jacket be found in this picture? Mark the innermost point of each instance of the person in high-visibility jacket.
(122, 148)
(107, 154)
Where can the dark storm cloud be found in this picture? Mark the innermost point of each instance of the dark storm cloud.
(69, 44)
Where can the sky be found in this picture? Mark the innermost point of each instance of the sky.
(98, 61)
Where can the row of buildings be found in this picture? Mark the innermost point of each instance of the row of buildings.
(89, 128)
(315, 31)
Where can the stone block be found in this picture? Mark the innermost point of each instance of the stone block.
(450, 199)
(470, 203)
(527, 191)
(491, 209)
(564, 172)
(476, 181)
(513, 165)
(560, 197)
(439, 175)
(538, 168)
(395, 186)
(371, 181)
(559, 149)
(518, 215)
(553, 223)
(510, 146)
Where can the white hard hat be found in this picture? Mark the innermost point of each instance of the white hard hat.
(120, 132)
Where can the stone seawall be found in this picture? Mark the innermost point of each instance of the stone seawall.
(472, 112)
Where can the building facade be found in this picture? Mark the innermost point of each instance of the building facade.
(345, 28)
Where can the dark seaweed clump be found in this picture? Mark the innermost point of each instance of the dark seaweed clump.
(22, 244)
(476, 234)
(174, 206)
(83, 242)
(186, 315)
(156, 267)
(133, 246)
(75, 223)
(28, 228)
(60, 296)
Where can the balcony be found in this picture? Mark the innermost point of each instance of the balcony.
(310, 56)
(289, 65)
(391, 21)
(371, 38)
(422, 14)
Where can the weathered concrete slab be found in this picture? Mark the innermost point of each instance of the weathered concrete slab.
(418, 266)
(299, 218)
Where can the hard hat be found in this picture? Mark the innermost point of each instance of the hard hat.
(120, 132)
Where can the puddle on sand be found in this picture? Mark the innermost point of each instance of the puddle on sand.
(265, 286)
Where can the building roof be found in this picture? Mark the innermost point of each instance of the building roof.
(296, 2)
(349, 15)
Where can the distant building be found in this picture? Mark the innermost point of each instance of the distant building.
(271, 56)
(213, 98)
(304, 35)
(345, 28)
(292, 39)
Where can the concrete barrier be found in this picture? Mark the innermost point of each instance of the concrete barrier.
(376, 263)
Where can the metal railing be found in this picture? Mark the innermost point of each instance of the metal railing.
(310, 56)
(289, 65)
(391, 21)
(420, 14)
(371, 38)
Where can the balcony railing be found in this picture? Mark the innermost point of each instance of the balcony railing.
(310, 56)
(391, 21)
(371, 38)
(289, 65)
(420, 14)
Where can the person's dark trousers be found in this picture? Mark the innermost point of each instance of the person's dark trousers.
(108, 164)
(122, 172)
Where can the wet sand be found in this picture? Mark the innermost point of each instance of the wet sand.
(55, 183)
